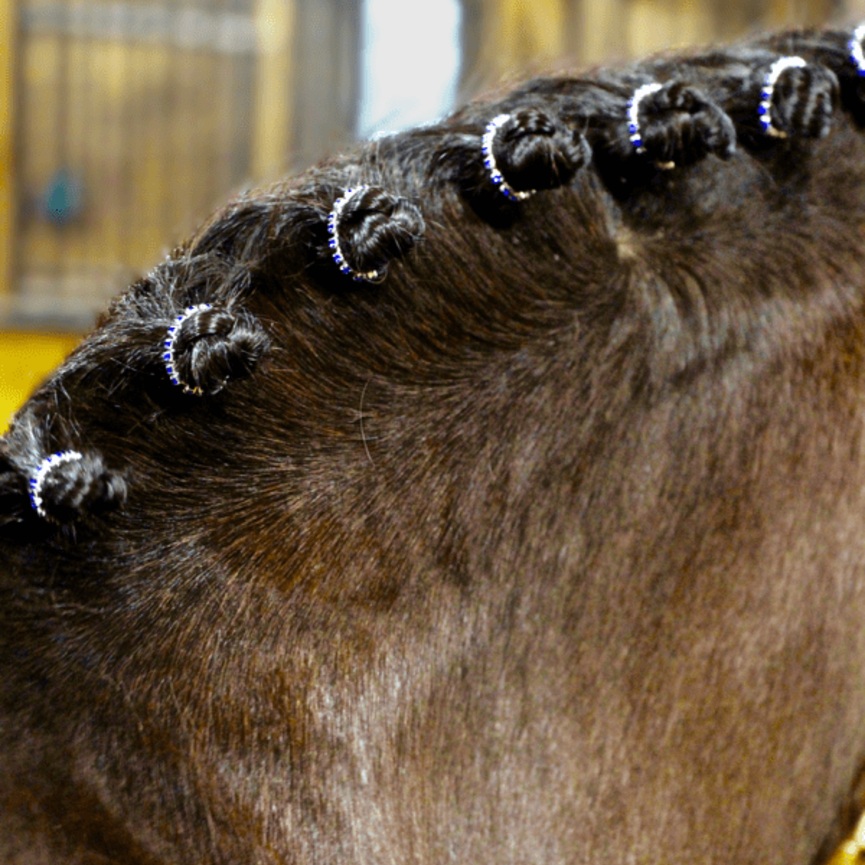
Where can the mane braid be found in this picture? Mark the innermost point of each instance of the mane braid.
(537, 539)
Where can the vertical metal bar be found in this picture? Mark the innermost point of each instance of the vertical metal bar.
(65, 119)
(274, 87)
(8, 197)
(116, 161)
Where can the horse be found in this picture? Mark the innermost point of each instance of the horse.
(492, 492)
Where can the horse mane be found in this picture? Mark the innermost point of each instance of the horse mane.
(491, 492)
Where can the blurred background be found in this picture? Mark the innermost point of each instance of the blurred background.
(123, 123)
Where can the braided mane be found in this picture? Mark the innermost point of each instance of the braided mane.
(490, 493)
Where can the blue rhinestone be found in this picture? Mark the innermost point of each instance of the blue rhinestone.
(762, 109)
(632, 127)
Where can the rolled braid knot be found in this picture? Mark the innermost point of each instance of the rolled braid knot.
(206, 347)
(368, 227)
(527, 151)
(68, 484)
(682, 125)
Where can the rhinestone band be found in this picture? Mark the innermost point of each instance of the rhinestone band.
(168, 356)
(490, 161)
(333, 231)
(855, 45)
(634, 113)
(765, 108)
(45, 468)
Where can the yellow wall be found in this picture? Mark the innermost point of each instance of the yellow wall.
(25, 359)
